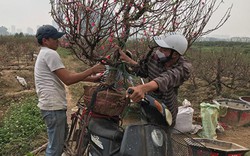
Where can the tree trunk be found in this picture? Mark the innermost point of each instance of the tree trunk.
(218, 85)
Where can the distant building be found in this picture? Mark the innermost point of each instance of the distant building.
(19, 30)
(232, 39)
(240, 39)
(212, 39)
(13, 29)
(30, 31)
(245, 39)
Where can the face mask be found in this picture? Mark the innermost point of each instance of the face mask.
(161, 58)
(159, 54)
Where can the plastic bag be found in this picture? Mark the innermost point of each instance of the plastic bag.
(184, 117)
(209, 115)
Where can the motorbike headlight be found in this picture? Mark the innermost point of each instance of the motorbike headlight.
(157, 137)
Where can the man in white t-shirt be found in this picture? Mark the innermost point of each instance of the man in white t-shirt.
(50, 77)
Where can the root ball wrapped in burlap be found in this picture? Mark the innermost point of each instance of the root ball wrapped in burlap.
(108, 102)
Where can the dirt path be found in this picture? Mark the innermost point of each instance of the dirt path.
(237, 135)
(70, 104)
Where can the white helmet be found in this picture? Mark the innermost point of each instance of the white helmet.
(172, 40)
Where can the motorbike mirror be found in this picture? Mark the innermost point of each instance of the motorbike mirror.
(168, 117)
(161, 109)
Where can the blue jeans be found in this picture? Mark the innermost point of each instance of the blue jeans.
(57, 128)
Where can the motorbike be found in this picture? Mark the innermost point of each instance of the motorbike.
(108, 138)
(102, 135)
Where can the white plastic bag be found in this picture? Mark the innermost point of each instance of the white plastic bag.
(22, 81)
(184, 117)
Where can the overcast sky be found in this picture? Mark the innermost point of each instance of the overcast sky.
(31, 13)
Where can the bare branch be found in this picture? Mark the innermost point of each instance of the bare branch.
(94, 27)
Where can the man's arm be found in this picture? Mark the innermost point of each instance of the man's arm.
(95, 78)
(125, 58)
(140, 90)
(68, 77)
(174, 77)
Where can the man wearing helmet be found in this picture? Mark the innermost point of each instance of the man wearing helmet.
(166, 70)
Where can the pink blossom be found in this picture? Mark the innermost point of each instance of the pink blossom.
(176, 24)
(144, 19)
(110, 39)
(79, 4)
(104, 8)
(93, 24)
(194, 34)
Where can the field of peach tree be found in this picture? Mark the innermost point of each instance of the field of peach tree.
(220, 69)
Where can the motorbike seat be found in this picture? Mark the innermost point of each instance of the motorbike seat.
(105, 128)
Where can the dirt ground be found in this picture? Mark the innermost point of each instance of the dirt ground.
(10, 88)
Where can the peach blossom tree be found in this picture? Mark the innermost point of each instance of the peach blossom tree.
(94, 27)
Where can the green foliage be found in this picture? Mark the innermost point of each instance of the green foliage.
(19, 34)
(220, 45)
(20, 126)
(64, 52)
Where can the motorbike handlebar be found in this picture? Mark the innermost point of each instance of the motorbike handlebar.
(152, 101)
(130, 91)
